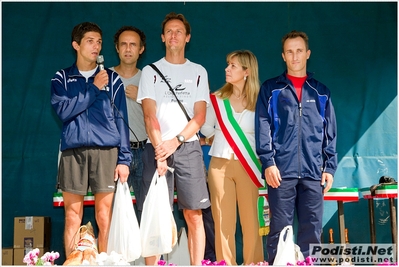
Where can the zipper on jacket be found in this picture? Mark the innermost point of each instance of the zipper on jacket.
(87, 120)
(299, 139)
(300, 110)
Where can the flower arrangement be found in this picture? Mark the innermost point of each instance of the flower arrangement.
(387, 263)
(210, 263)
(307, 262)
(32, 258)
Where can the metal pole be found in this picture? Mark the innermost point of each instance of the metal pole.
(372, 226)
(341, 220)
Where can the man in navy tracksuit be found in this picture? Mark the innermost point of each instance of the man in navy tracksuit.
(296, 141)
(91, 105)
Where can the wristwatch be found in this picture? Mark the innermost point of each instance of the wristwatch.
(180, 138)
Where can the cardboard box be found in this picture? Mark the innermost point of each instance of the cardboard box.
(7, 256)
(34, 230)
(19, 254)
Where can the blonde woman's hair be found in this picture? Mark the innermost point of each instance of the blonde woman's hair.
(248, 62)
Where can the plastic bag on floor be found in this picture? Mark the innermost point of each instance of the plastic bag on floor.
(287, 251)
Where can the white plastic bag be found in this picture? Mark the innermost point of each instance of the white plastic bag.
(158, 226)
(287, 250)
(124, 232)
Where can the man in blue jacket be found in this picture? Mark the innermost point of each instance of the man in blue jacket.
(91, 104)
(296, 141)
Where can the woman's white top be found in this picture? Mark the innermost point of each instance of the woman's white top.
(220, 147)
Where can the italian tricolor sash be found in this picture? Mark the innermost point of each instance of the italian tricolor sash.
(243, 150)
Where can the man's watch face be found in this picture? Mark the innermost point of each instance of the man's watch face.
(181, 138)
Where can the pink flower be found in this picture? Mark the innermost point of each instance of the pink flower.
(209, 263)
(264, 263)
(50, 256)
(27, 259)
(309, 260)
(32, 258)
(206, 262)
(215, 263)
(161, 263)
(386, 263)
(222, 263)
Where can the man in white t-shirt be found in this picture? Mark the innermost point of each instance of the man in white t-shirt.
(130, 45)
(172, 138)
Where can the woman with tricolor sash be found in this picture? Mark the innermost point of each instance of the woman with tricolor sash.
(234, 173)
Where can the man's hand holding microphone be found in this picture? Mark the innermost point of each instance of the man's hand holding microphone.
(101, 79)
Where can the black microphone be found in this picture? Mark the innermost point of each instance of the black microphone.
(100, 62)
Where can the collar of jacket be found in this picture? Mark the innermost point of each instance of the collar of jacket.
(283, 77)
(74, 71)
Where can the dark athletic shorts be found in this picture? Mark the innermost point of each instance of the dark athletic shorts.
(88, 166)
(189, 176)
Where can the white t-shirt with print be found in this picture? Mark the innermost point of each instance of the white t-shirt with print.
(190, 84)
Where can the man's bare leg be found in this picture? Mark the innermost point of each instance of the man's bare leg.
(103, 209)
(196, 235)
(73, 206)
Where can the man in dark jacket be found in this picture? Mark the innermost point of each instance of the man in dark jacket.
(296, 141)
(91, 104)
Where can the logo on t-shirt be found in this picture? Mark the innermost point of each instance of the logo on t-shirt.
(177, 88)
(181, 90)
